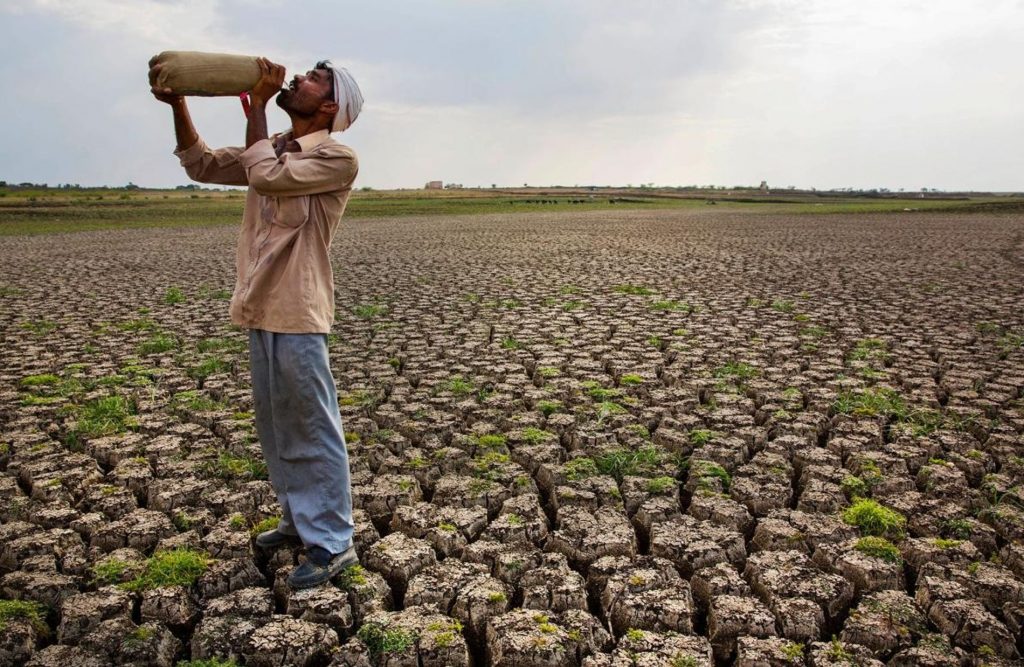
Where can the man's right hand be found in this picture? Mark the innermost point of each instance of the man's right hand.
(165, 95)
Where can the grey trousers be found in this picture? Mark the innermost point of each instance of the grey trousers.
(299, 427)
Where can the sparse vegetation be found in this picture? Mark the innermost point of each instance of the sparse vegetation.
(874, 519)
(179, 567)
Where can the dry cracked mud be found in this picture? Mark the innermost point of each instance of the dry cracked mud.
(614, 438)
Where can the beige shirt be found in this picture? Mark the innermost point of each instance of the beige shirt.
(295, 202)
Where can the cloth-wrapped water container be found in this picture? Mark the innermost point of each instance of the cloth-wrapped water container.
(207, 74)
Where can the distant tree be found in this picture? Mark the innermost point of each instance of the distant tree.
(494, 185)
(131, 186)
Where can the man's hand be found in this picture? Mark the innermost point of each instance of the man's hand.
(270, 83)
(165, 95)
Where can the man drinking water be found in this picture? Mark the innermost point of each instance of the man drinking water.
(299, 183)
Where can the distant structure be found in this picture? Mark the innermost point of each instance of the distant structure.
(434, 185)
(764, 188)
(453, 186)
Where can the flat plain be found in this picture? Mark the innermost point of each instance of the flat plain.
(600, 434)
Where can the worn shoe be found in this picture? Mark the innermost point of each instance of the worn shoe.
(269, 539)
(321, 566)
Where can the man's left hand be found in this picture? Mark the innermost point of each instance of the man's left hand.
(270, 83)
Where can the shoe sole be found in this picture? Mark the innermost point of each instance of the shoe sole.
(333, 568)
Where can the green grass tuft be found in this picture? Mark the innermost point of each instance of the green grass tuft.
(180, 567)
(879, 547)
(875, 519)
(381, 640)
(24, 610)
(230, 466)
(174, 296)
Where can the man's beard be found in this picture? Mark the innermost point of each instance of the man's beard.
(284, 99)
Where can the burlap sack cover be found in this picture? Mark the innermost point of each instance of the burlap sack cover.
(208, 74)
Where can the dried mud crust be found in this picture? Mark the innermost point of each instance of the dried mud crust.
(636, 438)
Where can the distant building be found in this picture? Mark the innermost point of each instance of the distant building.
(764, 188)
(434, 185)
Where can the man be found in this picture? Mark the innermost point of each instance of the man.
(299, 183)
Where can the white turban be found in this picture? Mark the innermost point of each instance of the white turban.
(348, 97)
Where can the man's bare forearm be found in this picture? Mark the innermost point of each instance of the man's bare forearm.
(256, 128)
(184, 130)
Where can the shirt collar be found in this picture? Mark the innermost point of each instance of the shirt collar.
(308, 142)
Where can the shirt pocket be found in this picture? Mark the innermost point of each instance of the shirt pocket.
(290, 211)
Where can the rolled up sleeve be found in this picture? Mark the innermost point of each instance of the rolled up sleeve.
(296, 174)
(220, 166)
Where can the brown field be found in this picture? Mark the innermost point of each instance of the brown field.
(604, 438)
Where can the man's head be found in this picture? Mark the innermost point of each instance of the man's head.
(326, 95)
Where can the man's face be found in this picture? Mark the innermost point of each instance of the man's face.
(305, 93)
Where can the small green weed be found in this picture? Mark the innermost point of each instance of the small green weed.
(33, 612)
(707, 470)
(381, 640)
(230, 466)
(879, 547)
(549, 407)
(180, 567)
(660, 484)
(580, 468)
(158, 343)
(368, 311)
(621, 463)
(209, 366)
(458, 385)
(875, 519)
(173, 296)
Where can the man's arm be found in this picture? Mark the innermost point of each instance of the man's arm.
(271, 80)
(201, 164)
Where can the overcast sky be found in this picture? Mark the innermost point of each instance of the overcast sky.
(811, 93)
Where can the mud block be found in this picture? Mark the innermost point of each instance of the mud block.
(585, 536)
(325, 605)
(246, 602)
(692, 545)
(18, 641)
(642, 648)
(82, 613)
(718, 579)
(225, 576)
(790, 574)
(46, 588)
(65, 656)
(731, 617)
(447, 529)
(399, 558)
(552, 586)
(368, 591)
(886, 622)
(171, 605)
(288, 641)
(418, 636)
(523, 637)
(866, 573)
(768, 652)
(798, 619)
(140, 530)
(648, 595)
(841, 654)
(721, 511)
(776, 534)
(224, 637)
